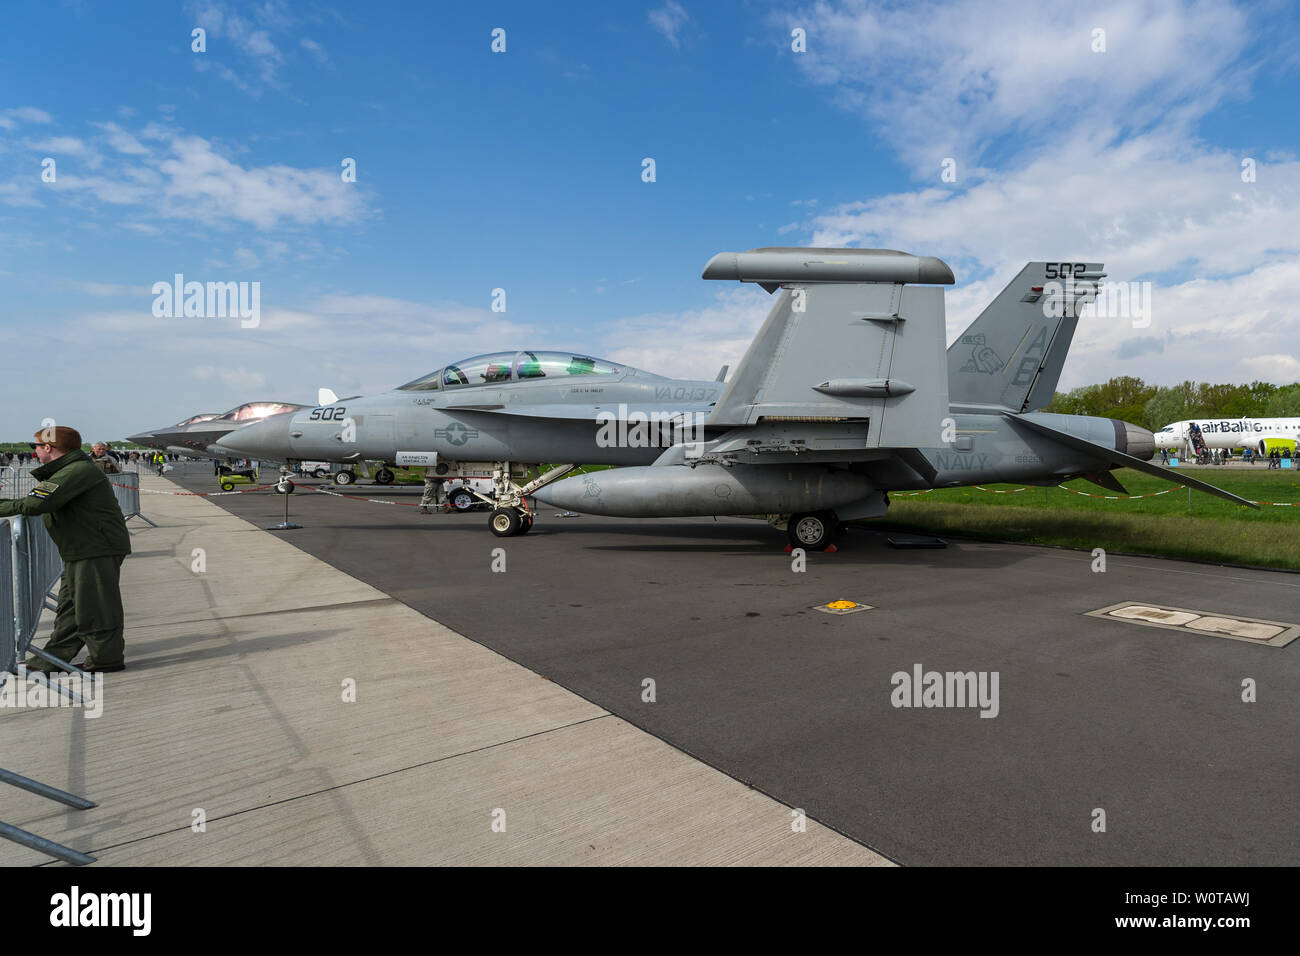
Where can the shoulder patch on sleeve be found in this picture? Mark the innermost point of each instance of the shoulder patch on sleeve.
(45, 489)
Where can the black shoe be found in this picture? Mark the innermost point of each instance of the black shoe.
(102, 668)
(45, 668)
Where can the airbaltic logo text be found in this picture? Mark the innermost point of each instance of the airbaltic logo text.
(73, 909)
(211, 300)
(947, 689)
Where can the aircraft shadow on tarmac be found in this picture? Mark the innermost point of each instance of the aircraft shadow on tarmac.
(858, 546)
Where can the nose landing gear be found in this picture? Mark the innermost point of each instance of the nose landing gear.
(511, 515)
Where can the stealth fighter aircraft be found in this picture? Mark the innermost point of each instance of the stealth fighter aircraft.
(199, 435)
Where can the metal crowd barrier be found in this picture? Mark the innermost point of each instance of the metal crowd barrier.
(29, 566)
(16, 481)
(126, 489)
(37, 567)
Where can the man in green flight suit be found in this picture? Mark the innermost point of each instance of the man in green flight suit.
(82, 516)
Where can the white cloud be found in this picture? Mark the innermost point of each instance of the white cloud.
(67, 145)
(1276, 368)
(206, 186)
(122, 141)
(10, 118)
(692, 344)
(1155, 203)
(669, 19)
(234, 378)
(19, 193)
(1066, 153)
(222, 22)
(953, 79)
(188, 178)
(315, 49)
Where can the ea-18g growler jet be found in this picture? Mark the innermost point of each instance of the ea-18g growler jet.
(846, 394)
(843, 396)
(500, 415)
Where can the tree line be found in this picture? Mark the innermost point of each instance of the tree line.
(1133, 400)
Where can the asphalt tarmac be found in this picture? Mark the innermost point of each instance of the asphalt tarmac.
(1113, 743)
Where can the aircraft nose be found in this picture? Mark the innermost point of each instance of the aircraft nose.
(140, 439)
(264, 439)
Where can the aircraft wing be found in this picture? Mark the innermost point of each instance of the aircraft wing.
(1119, 459)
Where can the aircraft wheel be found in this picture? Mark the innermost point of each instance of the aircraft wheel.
(227, 486)
(345, 477)
(284, 488)
(526, 525)
(384, 476)
(505, 522)
(463, 501)
(814, 531)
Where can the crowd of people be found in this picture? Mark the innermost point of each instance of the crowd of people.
(1221, 456)
(109, 459)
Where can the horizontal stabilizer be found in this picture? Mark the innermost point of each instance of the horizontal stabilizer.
(1119, 459)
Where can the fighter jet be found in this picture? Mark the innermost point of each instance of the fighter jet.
(497, 415)
(842, 397)
(198, 436)
(150, 439)
(847, 394)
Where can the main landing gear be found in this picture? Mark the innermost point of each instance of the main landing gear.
(511, 516)
(813, 531)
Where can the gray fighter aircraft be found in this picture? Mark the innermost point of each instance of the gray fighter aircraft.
(497, 415)
(845, 395)
(199, 435)
(842, 397)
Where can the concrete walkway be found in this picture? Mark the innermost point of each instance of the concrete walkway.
(240, 652)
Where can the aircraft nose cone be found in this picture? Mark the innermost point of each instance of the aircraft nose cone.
(140, 439)
(264, 439)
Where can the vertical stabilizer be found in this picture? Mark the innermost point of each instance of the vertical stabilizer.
(848, 341)
(1011, 357)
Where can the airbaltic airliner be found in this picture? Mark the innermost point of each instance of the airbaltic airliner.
(1260, 435)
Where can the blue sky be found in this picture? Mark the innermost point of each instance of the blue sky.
(522, 170)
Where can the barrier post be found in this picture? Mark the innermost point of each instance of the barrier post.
(8, 603)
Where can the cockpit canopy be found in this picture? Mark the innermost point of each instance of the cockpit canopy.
(502, 367)
(195, 419)
(255, 411)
